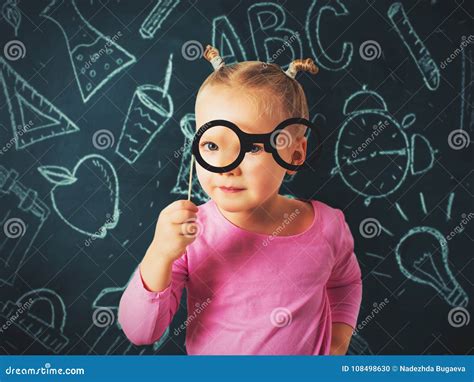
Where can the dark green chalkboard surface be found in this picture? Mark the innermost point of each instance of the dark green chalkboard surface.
(97, 101)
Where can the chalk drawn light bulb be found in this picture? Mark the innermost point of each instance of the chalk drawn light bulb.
(422, 255)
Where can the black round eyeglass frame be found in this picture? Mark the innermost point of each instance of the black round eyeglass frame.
(246, 142)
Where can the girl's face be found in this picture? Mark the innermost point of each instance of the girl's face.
(258, 176)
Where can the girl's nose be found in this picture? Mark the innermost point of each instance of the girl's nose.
(235, 172)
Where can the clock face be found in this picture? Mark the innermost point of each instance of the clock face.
(372, 153)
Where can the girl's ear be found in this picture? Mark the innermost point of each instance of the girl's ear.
(295, 159)
(299, 153)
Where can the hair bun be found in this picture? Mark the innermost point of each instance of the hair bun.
(300, 65)
(212, 55)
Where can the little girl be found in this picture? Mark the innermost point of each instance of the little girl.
(264, 273)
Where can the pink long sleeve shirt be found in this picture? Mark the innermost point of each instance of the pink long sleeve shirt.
(249, 293)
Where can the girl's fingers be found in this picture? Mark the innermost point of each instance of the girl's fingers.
(189, 230)
(181, 205)
(182, 216)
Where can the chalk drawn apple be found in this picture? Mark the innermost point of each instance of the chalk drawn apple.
(86, 199)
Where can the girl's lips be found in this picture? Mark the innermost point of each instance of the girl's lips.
(231, 189)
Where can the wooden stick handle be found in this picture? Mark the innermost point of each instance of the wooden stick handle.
(190, 177)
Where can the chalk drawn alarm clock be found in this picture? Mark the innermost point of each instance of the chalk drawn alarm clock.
(373, 153)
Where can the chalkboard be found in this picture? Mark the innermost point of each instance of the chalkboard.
(97, 102)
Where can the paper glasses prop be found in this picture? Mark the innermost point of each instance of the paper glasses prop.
(220, 146)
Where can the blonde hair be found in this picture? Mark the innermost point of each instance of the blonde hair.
(259, 79)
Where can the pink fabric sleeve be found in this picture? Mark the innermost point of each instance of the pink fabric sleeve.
(344, 286)
(144, 315)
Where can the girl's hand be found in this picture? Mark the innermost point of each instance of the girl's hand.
(175, 230)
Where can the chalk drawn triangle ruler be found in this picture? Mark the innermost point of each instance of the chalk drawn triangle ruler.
(25, 104)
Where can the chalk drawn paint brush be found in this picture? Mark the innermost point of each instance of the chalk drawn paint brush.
(156, 17)
(423, 60)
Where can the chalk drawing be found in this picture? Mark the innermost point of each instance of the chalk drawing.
(267, 28)
(48, 331)
(430, 265)
(94, 207)
(25, 104)
(373, 153)
(12, 14)
(417, 49)
(149, 111)
(226, 40)
(313, 27)
(466, 117)
(95, 58)
(21, 218)
(156, 17)
(188, 126)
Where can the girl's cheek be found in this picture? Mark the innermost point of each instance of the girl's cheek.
(266, 177)
(202, 177)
